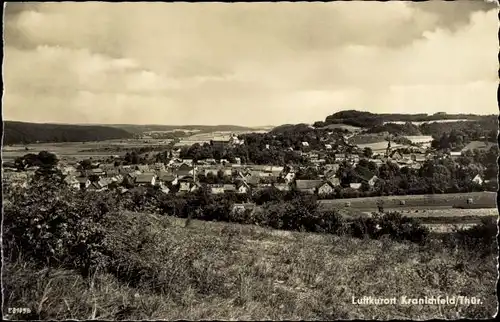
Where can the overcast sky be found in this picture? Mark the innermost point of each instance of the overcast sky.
(247, 64)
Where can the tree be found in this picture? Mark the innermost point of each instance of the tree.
(86, 164)
(367, 152)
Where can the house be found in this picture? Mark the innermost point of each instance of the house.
(396, 155)
(305, 144)
(72, 182)
(145, 179)
(224, 161)
(84, 182)
(194, 187)
(228, 172)
(211, 161)
(455, 154)
(184, 186)
(282, 186)
(372, 181)
(112, 172)
(125, 169)
(340, 157)
(158, 166)
(188, 162)
(328, 146)
(308, 186)
(478, 180)
(325, 188)
(100, 185)
(229, 188)
(238, 160)
(241, 207)
(289, 177)
(242, 187)
(252, 179)
(313, 156)
(420, 158)
(142, 167)
(355, 186)
(185, 170)
(216, 188)
(334, 181)
(107, 166)
(69, 170)
(165, 189)
(167, 177)
(98, 172)
(134, 174)
(118, 178)
(332, 166)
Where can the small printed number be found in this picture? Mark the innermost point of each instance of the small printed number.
(19, 310)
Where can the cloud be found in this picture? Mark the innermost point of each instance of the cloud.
(246, 63)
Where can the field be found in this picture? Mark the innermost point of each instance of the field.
(201, 138)
(436, 121)
(234, 272)
(80, 150)
(416, 202)
(350, 128)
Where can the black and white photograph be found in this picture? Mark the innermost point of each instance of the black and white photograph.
(279, 161)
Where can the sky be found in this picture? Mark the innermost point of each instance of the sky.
(246, 63)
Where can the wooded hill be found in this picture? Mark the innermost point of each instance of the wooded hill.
(26, 133)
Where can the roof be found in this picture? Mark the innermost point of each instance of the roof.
(144, 178)
(185, 167)
(253, 180)
(282, 186)
(244, 205)
(112, 173)
(334, 181)
(166, 176)
(229, 187)
(82, 179)
(355, 185)
(308, 184)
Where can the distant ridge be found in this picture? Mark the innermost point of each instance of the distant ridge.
(133, 128)
(25, 133)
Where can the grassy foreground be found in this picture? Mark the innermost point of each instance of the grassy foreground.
(163, 270)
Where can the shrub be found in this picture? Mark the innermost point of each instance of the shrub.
(400, 228)
(480, 239)
(55, 226)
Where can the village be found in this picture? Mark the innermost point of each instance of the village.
(220, 176)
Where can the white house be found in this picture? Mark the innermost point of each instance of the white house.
(145, 179)
(372, 181)
(289, 177)
(326, 188)
(243, 188)
(477, 179)
(355, 185)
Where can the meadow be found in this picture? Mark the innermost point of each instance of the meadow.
(416, 202)
(164, 270)
(80, 150)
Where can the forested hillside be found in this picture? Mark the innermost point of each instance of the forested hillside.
(25, 133)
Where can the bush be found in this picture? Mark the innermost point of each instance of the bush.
(401, 228)
(55, 226)
(480, 239)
